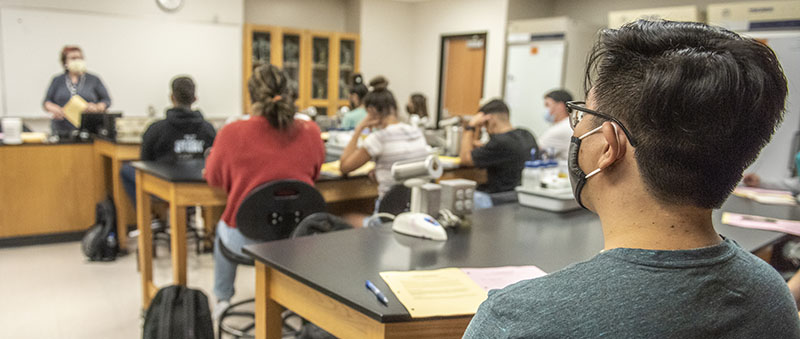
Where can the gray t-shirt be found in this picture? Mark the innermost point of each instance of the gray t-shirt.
(714, 292)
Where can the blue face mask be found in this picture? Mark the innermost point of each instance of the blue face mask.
(547, 116)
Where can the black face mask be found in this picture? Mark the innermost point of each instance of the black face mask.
(576, 175)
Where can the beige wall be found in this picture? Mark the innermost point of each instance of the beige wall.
(596, 11)
(434, 19)
(530, 9)
(214, 11)
(387, 45)
(321, 15)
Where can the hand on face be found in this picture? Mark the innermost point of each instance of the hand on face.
(479, 120)
(369, 122)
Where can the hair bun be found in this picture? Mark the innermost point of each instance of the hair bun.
(379, 83)
(358, 79)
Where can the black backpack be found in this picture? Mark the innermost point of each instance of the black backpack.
(101, 243)
(178, 312)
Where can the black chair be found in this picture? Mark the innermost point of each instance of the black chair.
(397, 200)
(269, 212)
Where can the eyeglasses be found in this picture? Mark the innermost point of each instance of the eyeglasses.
(578, 110)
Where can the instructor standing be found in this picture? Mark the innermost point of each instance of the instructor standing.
(74, 81)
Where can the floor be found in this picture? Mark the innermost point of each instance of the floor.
(52, 291)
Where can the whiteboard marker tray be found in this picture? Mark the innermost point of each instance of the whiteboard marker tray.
(550, 200)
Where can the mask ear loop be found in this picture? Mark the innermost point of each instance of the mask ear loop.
(594, 131)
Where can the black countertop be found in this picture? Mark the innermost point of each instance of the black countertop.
(337, 264)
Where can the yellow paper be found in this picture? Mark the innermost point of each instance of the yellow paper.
(333, 168)
(74, 108)
(434, 293)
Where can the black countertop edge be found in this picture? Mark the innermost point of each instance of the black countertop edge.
(373, 315)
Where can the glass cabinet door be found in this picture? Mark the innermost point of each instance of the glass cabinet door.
(261, 48)
(347, 66)
(319, 67)
(291, 60)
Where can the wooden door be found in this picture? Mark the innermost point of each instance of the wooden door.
(462, 74)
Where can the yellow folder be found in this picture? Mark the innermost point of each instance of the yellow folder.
(74, 108)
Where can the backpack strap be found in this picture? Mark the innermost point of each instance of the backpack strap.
(190, 313)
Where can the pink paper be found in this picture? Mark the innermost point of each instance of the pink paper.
(762, 223)
(491, 278)
(745, 189)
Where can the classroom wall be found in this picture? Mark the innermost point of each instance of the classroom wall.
(227, 12)
(321, 15)
(596, 11)
(434, 19)
(388, 45)
(207, 11)
(530, 9)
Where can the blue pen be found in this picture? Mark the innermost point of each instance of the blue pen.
(377, 293)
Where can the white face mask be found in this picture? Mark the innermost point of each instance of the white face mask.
(76, 66)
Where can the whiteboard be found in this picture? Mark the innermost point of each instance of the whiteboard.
(135, 57)
(532, 71)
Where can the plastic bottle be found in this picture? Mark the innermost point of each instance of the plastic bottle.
(531, 175)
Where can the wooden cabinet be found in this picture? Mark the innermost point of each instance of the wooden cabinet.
(319, 64)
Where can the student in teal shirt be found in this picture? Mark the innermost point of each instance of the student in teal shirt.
(357, 93)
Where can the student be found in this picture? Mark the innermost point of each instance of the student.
(271, 145)
(556, 138)
(183, 135)
(357, 113)
(417, 108)
(676, 111)
(390, 141)
(503, 156)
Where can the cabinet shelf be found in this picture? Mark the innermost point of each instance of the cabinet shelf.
(318, 64)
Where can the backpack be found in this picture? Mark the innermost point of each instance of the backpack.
(100, 243)
(178, 312)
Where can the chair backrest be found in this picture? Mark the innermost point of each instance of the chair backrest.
(396, 200)
(273, 210)
(320, 223)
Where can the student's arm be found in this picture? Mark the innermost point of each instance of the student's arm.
(468, 139)
(354, 157)
(794, 287)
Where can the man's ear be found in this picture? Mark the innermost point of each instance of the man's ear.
(616, 143)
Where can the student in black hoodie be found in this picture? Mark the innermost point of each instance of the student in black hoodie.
(183, 135)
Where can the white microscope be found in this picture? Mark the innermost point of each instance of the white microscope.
(415, 174)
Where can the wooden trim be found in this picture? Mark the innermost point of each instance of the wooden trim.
(333, 316)
(268, 312)
(190, 194)
(154, 185)
(143, 203)
(347, 189)
(177, 218)
(334, 48)
(322, 310)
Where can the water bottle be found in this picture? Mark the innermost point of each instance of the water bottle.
(111, 240)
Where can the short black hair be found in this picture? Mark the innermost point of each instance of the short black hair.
(700, 101)
(183, 90)
(493, 107)
(559, 95)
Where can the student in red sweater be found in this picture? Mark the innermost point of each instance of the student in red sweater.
(270, 146)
